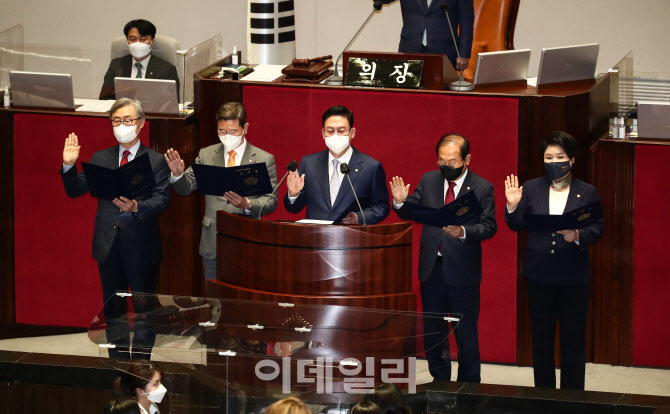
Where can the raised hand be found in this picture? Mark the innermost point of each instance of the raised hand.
(512, 191)
(399, 190)
(295, 183)
(71, 150)
(175, 162)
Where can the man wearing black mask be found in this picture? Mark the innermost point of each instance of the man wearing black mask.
(450, 258)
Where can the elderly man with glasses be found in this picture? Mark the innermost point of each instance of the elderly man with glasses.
(319, 183)
(450, 258)
(126, 236)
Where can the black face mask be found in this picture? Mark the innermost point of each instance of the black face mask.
(450, 174)
(556, 170)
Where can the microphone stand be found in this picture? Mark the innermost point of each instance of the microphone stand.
(290, 167)
(461, 84)
(344, 169)
(336, 79)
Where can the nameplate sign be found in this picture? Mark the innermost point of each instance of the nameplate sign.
(384, 73)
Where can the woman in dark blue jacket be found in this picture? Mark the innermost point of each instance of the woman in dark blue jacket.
(557, 268)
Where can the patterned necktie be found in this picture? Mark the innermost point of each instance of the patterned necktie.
(334, 182)
(124, 159)
(231, 159)
(138, 65)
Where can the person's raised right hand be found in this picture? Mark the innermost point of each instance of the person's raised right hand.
(295, 183)
(512, 191)
(175, 162)
(71, 150)
(399, 190)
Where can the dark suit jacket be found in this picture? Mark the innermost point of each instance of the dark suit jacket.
(549, 258)
(461, 260)
(369, 180)
(418, 17)
(140, 234)
(122, 67)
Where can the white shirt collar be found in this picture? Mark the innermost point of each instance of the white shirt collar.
(133, 150)
(144, 63)
(344, 158)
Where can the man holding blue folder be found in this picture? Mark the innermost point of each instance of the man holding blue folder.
(233, 151)
(450, 257)
(127, 237)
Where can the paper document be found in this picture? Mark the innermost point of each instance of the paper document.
(93, 105)
(265, 73)
(307, 221)
(532, 82)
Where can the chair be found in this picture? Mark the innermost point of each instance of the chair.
(165, 47)
(495, 21)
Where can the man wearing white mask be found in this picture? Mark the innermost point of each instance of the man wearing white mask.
(126, 236)
(320, 185)
(234, 150)
(140, 63)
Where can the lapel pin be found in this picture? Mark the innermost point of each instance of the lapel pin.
(356, 170)
(468, 188)
(251, 161)
(578, 195)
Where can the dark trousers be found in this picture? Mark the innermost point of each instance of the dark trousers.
(438, 300)
(569, 305)
(119, 274)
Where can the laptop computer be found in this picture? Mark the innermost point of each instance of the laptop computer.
(158, 96)
(42, 90)
(653, 119)
(502, 66)
(567, 63)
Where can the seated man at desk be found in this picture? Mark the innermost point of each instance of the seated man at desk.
(320, 185)
(233, 151)
(140, 35)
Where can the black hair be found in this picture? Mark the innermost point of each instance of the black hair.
(137, 375)
(145, 27)
(338, 111)
(561, 139)
(454, 138)
(366, 407)
(389, 398)
(123, 405)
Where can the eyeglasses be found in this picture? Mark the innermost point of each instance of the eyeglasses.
(126, 122)
(444, 164)
(234, 132)
(340, 131)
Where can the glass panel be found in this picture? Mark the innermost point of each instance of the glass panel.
(243, 355)
(199, 57)
(11, 53)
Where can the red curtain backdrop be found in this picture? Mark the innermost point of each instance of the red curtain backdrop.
(651, 281)
(57, 280)
(401, 130)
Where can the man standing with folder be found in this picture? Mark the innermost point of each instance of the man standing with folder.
(233, 151)
(450, 258)
(126, 237)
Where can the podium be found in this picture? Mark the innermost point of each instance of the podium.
(362, 266)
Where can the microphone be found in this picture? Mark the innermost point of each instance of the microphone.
(344, 169)
(461, 84)
(292, 166)
(336, 79)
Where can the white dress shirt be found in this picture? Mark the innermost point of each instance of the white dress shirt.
(344, 158)
(144, 63)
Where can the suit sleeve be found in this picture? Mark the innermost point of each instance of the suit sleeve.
(404, 212)
(160, 195)
(257, 202)
(107, 91)
(301, 201)
(487, 225)
(187, 184)
(466, 24)
(379, 202)
(590, 234)
(75, 184)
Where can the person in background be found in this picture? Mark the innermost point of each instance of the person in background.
(289, 405)
(366, 407)
(123, 405)
(389, 399)
(141, 382)
(557, 266)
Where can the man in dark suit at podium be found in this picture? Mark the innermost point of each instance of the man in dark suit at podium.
(140, 63)
(320, 185)
(450, 258)
(126, 236)
(426, 30)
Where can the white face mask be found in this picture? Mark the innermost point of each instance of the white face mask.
(125, 134)
(139, 49)
(337, 143)
(230, 142)
(156, 396)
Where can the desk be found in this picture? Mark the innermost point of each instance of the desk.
(400, 127)
(47, 273)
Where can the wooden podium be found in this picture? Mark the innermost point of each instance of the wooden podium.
(363, 266)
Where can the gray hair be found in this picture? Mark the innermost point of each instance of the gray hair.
(123, 102)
